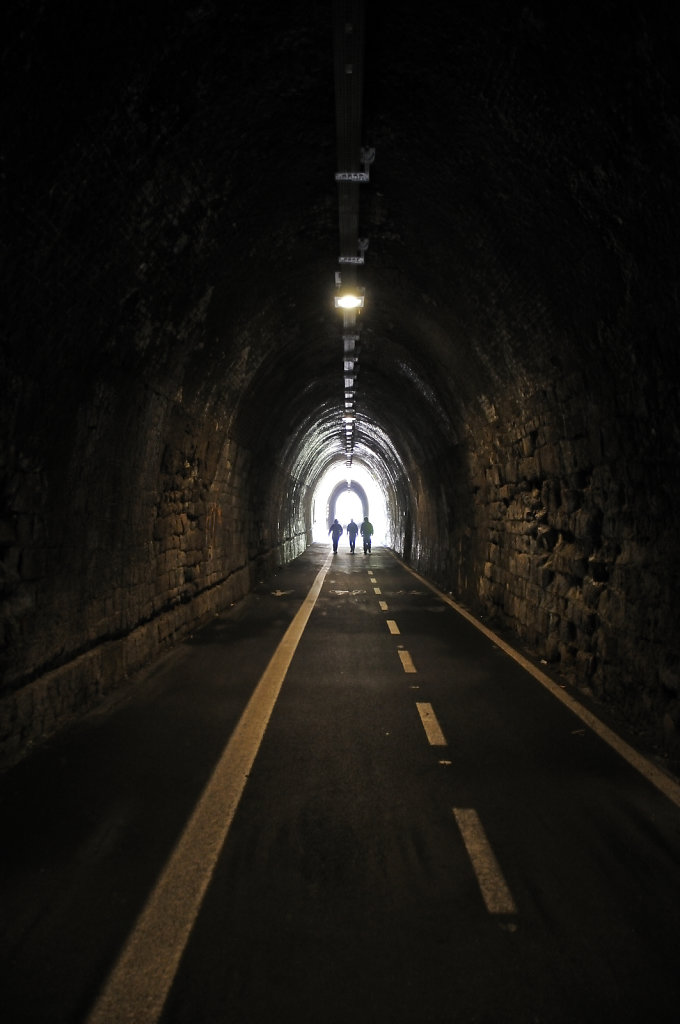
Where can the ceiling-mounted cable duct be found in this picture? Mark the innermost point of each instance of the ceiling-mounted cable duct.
(349, 79)
(350, 176)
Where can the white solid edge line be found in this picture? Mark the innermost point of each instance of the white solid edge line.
(664, 783)
(138, 985)
(494, 889)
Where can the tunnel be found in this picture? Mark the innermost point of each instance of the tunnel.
(189, 191)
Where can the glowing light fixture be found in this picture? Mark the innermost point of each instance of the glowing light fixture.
(349, 300)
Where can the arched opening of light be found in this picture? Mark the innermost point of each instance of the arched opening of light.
(348, 507)
(340, 496)
(348, 504)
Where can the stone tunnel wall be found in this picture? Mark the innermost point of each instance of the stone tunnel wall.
(132, 532)
(568, 539)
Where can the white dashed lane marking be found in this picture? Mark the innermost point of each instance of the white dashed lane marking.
(494, 889)
(383, 606)
(431, 725)
(407, 661)
(393, 627)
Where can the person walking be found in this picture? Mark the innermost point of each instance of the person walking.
(366, 530)
(336, 533)
(352, 531)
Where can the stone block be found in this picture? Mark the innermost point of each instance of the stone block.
(528, 468)
(585, 661)
(511, 472)
(543, 576)
(528, 444)
(549, 461)
(546, 536)
(571, 499)
(570, 560)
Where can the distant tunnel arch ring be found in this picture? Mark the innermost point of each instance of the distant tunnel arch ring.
(340, 489)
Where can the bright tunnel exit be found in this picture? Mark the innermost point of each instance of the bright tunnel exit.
(348, 505)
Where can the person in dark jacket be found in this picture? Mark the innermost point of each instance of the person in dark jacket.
(336, 533)
(352, 531)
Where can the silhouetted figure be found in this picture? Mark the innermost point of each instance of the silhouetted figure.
(352, 531)
(336, 533)
(366, 531)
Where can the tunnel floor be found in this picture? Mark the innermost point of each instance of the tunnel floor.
(425, 832)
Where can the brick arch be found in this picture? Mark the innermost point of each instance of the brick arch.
(335, 494)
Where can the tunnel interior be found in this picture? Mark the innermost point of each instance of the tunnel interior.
(178, 379)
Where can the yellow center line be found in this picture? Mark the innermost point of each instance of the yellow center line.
(139, 983)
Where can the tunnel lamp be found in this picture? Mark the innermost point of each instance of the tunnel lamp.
(348, 418)
(349, 300)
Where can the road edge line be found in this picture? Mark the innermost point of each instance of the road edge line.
(664, 783)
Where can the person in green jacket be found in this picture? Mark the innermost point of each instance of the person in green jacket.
(366, 531)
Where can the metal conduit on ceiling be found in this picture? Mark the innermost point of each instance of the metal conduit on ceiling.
(349, 70)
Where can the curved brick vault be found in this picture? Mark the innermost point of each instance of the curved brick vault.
(172, 362)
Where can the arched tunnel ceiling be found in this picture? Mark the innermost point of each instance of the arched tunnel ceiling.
(181, 189)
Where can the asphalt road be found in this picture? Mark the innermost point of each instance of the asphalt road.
(355, 807)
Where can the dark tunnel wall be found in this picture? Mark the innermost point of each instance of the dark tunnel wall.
(172, 363)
